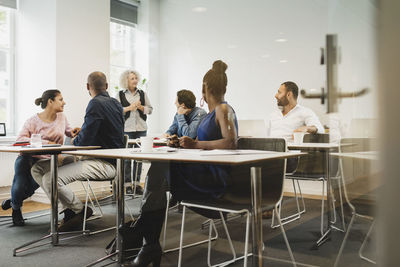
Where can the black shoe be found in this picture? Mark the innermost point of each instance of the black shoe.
(17, 218)
(149, 253)
(75, 221)
(6, 204)
(139, 190)
(130, 190)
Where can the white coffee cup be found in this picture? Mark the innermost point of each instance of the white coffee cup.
(146, 144)
(36, 140)
(298, 138)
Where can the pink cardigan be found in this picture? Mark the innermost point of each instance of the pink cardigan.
(53, 131)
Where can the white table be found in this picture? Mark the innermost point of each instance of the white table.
(370, 155)
(181, 156)
(53, 152)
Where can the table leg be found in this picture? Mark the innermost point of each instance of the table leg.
(325, 236)
(54, 198)
(257, 216)
(120, 206)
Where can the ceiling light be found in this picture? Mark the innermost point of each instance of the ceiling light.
(199, 9)
(283, 61)
(281, 40)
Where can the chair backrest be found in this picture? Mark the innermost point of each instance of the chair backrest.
(359, 175)
(316, 138)
(313, 163)
(272, 172)
(252, 128)
(126, 139)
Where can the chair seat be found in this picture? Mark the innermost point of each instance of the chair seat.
(305, 176)
(226, 205)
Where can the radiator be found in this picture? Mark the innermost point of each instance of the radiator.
(7, 168)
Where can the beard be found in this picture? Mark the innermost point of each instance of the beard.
(283, 102)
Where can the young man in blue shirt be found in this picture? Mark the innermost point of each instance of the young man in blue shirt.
(187, 118)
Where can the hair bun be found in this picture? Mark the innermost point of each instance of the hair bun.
(38, 101)
(219, 66)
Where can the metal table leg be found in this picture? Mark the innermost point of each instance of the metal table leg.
(327, 233)
(54, 234)
(257, 216)
(120, 207)
(120, 218)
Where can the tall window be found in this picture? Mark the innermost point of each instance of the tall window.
(123, 46)
(7, 67)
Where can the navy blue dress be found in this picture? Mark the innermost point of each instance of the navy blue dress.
(199, 181)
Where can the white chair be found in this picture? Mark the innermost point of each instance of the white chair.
(96, 207)
(311, 167)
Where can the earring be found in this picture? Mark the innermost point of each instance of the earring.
(202, 102)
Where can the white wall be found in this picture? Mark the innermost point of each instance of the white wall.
(35, 55)
(58, 44)
(147, 58)
(244, 35)
(83, 46)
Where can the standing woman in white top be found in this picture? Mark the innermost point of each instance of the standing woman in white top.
(136, 108)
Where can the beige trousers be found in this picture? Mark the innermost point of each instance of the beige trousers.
(78, 171)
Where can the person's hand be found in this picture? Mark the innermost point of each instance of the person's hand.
(75, 131)
(165, 135)
(187, 142)
(132, 107)
(182, 110)
(173, 141)
(302, 129)
(139, 106)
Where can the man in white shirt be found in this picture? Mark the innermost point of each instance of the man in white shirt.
(291, 117)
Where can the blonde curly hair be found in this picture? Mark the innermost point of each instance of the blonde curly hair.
(123, 79)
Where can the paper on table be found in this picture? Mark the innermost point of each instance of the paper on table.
(221, 152)
(158, 150)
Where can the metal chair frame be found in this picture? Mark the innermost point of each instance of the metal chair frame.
(353, 217)
(247, 213)
(292, 176)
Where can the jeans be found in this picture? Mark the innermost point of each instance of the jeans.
(127, 169)
(23, 185)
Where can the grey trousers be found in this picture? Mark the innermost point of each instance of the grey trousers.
(78, 171)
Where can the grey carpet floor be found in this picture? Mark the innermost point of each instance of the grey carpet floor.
(83, 250)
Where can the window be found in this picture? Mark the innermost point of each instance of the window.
(122, 54)
(7, 68)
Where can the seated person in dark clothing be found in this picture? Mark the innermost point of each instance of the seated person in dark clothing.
(103, 126)
(188, 116)
(218, 129)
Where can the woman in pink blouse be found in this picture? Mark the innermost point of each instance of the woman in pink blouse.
(52, 125)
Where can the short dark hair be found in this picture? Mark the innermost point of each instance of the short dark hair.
(292, 87)
(186, 97)
(46, 96)
(98, 80)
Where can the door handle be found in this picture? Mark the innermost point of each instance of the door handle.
(322, 95)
